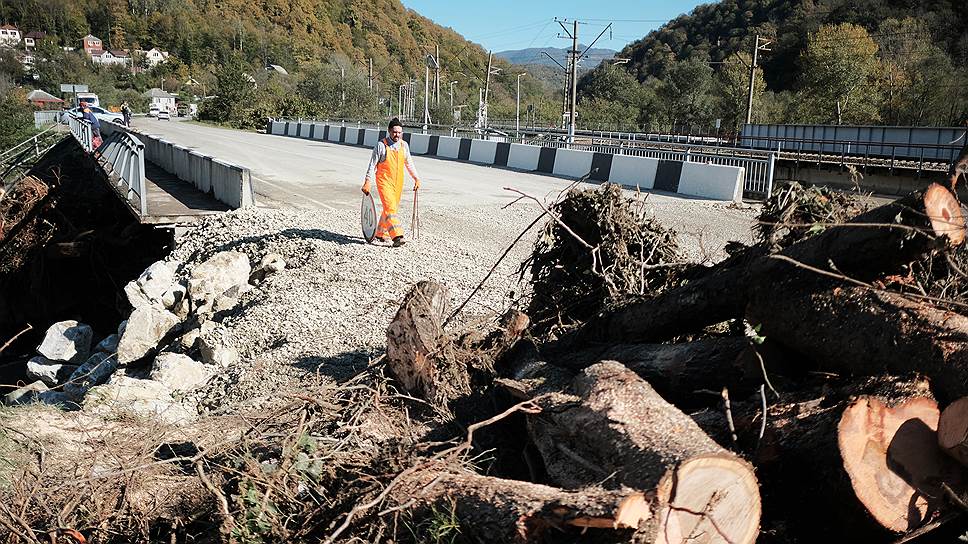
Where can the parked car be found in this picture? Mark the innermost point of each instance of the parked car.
(153, 111)
(101, 114)
(182, 109)
(163, 114)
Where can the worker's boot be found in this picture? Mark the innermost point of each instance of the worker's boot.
(398, 241)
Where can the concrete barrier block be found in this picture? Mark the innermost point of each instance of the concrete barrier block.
(352, 134)
(334, 132)
(524, 157)
(633, 171)
(278, 128)
(291, 128)
(419, 144)
(448, 147)
(372, 137)
(483, 151)
(573, 163)
(303, 130)
(712, 181)
(319, 129)
(227, 183)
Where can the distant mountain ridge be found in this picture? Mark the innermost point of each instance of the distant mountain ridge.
(534, 55)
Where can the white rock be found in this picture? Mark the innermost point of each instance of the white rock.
(136, 297)
(156, 280)
(145, 398)
(270, 264)
(47, 371)
(95, 371)
(109, 344)
(67, 341)
(178, 372)
(215, 276)
(174, 295)
(217, 345)
(146, 327)
(25, 394)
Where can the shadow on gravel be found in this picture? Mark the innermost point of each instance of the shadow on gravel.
(340, 367)
(318, 234)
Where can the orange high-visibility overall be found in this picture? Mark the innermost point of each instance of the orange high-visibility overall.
(389, 183)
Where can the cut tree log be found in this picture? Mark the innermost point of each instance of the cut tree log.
(862, 457)
(953, 430)
(679, 372)
(498, 510)
(610, 426)
(874, 243)
(887, 333)
(877, 433)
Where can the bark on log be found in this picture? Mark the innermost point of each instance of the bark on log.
(415, 339)
(862, 252)
(434, 366)
(887, 333)
(498, 510)
(862, 458)
(678, 371)
(953, 430)
(611, 426)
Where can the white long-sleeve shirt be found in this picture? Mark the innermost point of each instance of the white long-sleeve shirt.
(380, 154)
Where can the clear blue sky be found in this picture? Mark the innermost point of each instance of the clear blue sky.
(501, 25)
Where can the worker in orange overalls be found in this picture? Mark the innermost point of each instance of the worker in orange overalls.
(390, 156)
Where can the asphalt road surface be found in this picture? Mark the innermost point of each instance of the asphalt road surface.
(292, 172)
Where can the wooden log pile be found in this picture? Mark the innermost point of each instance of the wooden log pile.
(790, 393)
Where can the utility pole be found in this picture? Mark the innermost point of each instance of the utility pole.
(342, 86)
(482, 111)
(369, 80)
(426, 115)
(437, 74)
(452, 97)
(575, 59)
(517, 108)
(757, 47)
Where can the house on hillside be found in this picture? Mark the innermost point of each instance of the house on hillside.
(158, 97)
(9, 36)
(111, 57)
(31, 39)
(153, 57)
(90, 44)
(44, 100)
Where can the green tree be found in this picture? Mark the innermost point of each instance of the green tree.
(734, 92)
(16, 119)
(686, 93)
(840, 70)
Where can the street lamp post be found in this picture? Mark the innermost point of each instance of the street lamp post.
(517, 108)
(452, 97)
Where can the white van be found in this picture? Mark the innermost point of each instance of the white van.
(153, 110)
(90, 99)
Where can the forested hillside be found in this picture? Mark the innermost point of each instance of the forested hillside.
(859, 61)
(326, 47)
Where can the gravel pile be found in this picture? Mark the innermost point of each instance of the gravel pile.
(325, 315)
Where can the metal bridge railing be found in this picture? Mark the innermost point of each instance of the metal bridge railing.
(17, 160)
(123, 154)
(82, 132)
(759, 166)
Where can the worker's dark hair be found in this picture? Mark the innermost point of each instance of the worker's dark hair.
(394, 123)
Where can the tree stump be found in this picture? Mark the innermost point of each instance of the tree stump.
(610, 426)
(953, 430)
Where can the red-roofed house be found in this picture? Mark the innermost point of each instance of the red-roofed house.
(91, 44)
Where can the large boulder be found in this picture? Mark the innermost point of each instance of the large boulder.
(146, 327)
(151, 285)
(178, 372)
(50, 372)
(95, 371)
(67, 341)
(145, 398)
(216, 276)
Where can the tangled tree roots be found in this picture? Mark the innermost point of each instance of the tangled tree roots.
(633, 254)
(795, 212)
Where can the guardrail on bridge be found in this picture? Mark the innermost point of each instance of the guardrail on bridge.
(123, 155)
(82, 132)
